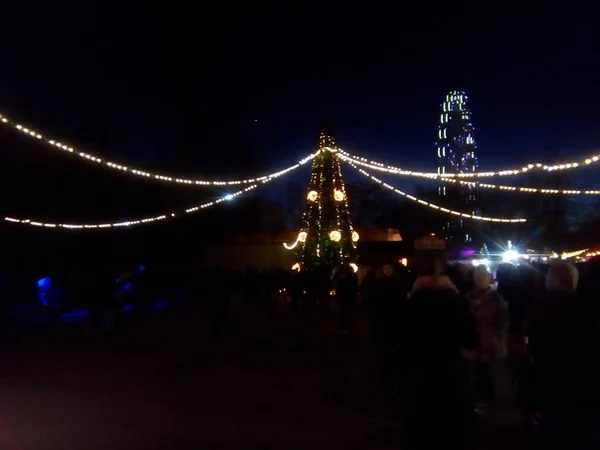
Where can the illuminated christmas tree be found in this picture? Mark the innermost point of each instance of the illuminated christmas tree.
(326, 237)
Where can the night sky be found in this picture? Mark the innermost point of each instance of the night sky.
(243, 90)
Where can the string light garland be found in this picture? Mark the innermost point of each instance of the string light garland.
(432, 205)
(375, 165)
(476, 184)
(338, 193)
(142, 173)
(129, 223)
(145, 220)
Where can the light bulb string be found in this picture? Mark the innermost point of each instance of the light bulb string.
(477, 184)
(4, 120)
(432, 205)
(142, 221)
(523, 189)
(128, 223)
(375, 165)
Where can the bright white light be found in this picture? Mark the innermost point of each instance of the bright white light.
(229, 197)
(481, 262)
(510, 255)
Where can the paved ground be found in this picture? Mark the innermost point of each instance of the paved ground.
(274, 382)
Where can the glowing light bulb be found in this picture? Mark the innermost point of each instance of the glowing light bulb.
(335, 236)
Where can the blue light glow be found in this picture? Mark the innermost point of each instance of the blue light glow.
(44, 288)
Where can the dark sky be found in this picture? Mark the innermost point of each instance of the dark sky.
(229, 91)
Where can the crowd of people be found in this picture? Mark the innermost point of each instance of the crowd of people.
(438, 331)
(441, 331)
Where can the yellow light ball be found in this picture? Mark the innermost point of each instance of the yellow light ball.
(338, 196)
(355, 236)
(302, 236)
(335, 236)
(312, 196)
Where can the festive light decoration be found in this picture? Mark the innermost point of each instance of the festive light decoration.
(476, 184)
(591, 254)
(335, 236)
(327, 236)
(301, 238)
(147, 220)
(374, 165)
(456, 154)
(142, 173)
(326, 220)
(291, 246)
(456, 146)
(433, 206)
(567, 255)
(129, 223)
(381, 167)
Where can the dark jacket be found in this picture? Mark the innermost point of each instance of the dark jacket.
(384, 298)
(437, 322)
(436, 326)
(565, 349)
